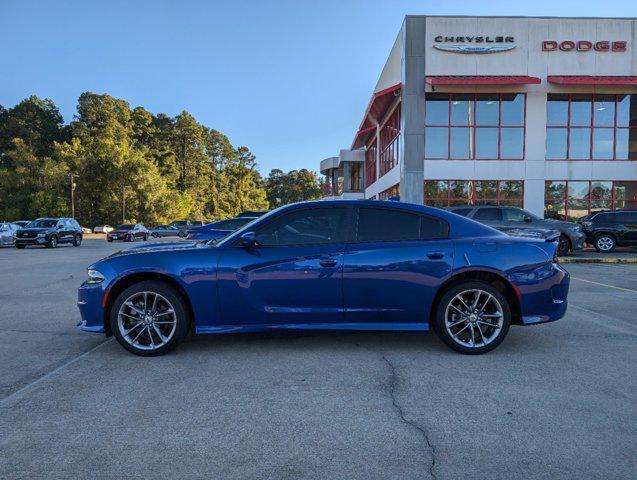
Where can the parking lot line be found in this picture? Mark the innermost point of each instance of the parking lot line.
(604, 284)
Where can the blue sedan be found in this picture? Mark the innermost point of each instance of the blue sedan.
(330, 265)
(217, 230)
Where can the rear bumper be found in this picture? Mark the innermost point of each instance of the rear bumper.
(547, 299)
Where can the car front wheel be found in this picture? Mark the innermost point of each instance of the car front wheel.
(77, 240)
(53, 242)
(472, 317)
(605, 243)
(563, 245)
(149, 318)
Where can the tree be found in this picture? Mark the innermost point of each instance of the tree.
(295, 186)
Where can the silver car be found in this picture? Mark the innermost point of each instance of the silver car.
(7, 230)
(507, 218)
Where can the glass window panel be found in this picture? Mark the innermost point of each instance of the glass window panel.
(554, 190)
(511, 189)
(556, 143)
(578, 190)
(488, 110)
(603, 139)
(486, 201)
(627, 110)
(436, 203)
(461, 143)
(436, 142)
(467, 201)
(555, 210)
(437, 109)
(461, 189)
(577, 209)
(513, 203)
(580, 143)
(387, 225)
(461, 109)
(512, 110)
(436, 189)
(512, 143)
(305, 227)
(601, 190)
(604, 111)
(488, 214)
(601, 205)
(626, 148)
(581, 110)
(486, 189)
(625, 191)
(557, 110)
(486, 143)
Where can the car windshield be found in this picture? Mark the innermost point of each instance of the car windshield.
(126, 226)
(42, 223)
(231, 224)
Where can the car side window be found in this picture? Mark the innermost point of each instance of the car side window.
(312, 226)
(513, 215)
(462, 211)
(487, 214)
(387, 225)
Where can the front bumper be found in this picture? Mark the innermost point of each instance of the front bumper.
(89, 302)
(31, 241)
(577, 240)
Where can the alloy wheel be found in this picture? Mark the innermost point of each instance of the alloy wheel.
(605, 243)
(146, 320)
(474, 318)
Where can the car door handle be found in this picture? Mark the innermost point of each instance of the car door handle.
(328, 263)
(435, 255)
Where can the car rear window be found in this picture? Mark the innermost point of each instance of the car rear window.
(462, 211)
(487, 214)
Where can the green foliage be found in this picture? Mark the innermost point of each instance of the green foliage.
(295, 186)
(160, 168)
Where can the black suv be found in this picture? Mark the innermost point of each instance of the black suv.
(608, 229)
(49, 232)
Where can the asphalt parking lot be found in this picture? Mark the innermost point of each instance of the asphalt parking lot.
(553, 401)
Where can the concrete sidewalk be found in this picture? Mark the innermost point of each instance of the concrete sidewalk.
(590, 255)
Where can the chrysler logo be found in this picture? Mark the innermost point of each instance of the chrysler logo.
(474, 48)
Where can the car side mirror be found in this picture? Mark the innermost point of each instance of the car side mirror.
(527, 219)
(248, 240)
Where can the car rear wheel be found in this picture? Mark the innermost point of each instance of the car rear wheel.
(563, 245)
(53, 242)
(181, 234)
(77, 240)
(472, 317)
(149, 318)
(605, 243)
(145, 237)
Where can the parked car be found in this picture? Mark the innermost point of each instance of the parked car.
(7, 232)
(252, 213)
(21, 223)
(571, 236)
(608, 229)
(129, 232)
(166, 231)
(217, 230)
(330, 265)
(103, 229)
(86, 230)
(186, 224)
(49, 232)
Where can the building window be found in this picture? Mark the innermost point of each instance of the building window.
(389, 134)
(355, 177)
(446, 193)
(370, 164)
(391, 192)
(573, 199)
(480, 126)
(591, 127)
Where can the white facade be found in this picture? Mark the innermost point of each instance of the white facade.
(417, 54)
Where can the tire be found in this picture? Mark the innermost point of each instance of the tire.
(181, 234)
(145, 237)
(605, 243)
(109, 240)
(154, 235)
(145, 343)
(20, 246)
(490, 328)
(77, 240)
(130, 238)
(563, 245)
(53, 242)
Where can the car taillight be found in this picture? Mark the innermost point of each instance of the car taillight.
(190, 235)
(586, 224)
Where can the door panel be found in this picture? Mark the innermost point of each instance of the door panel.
(394, 282)
(281, 285)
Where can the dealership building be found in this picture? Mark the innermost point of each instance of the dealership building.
(537, 112)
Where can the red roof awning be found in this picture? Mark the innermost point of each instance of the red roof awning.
(591, 80)
(363, 136)
(376, 108)
(481, 80)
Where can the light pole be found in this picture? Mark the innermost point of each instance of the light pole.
(123, 203)
(73, 176)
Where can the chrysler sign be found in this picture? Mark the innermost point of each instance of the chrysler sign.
(475, 44)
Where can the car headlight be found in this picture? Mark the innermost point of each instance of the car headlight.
(94, 276)
(577, 228)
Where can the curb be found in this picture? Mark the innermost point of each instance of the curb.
(597, 260)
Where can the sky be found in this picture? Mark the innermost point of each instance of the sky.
(288, 79)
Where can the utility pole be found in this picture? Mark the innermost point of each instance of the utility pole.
(73, 176)
(123, 203)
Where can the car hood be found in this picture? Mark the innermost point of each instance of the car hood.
(158, 247)
(120, 231)
(549, 222)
